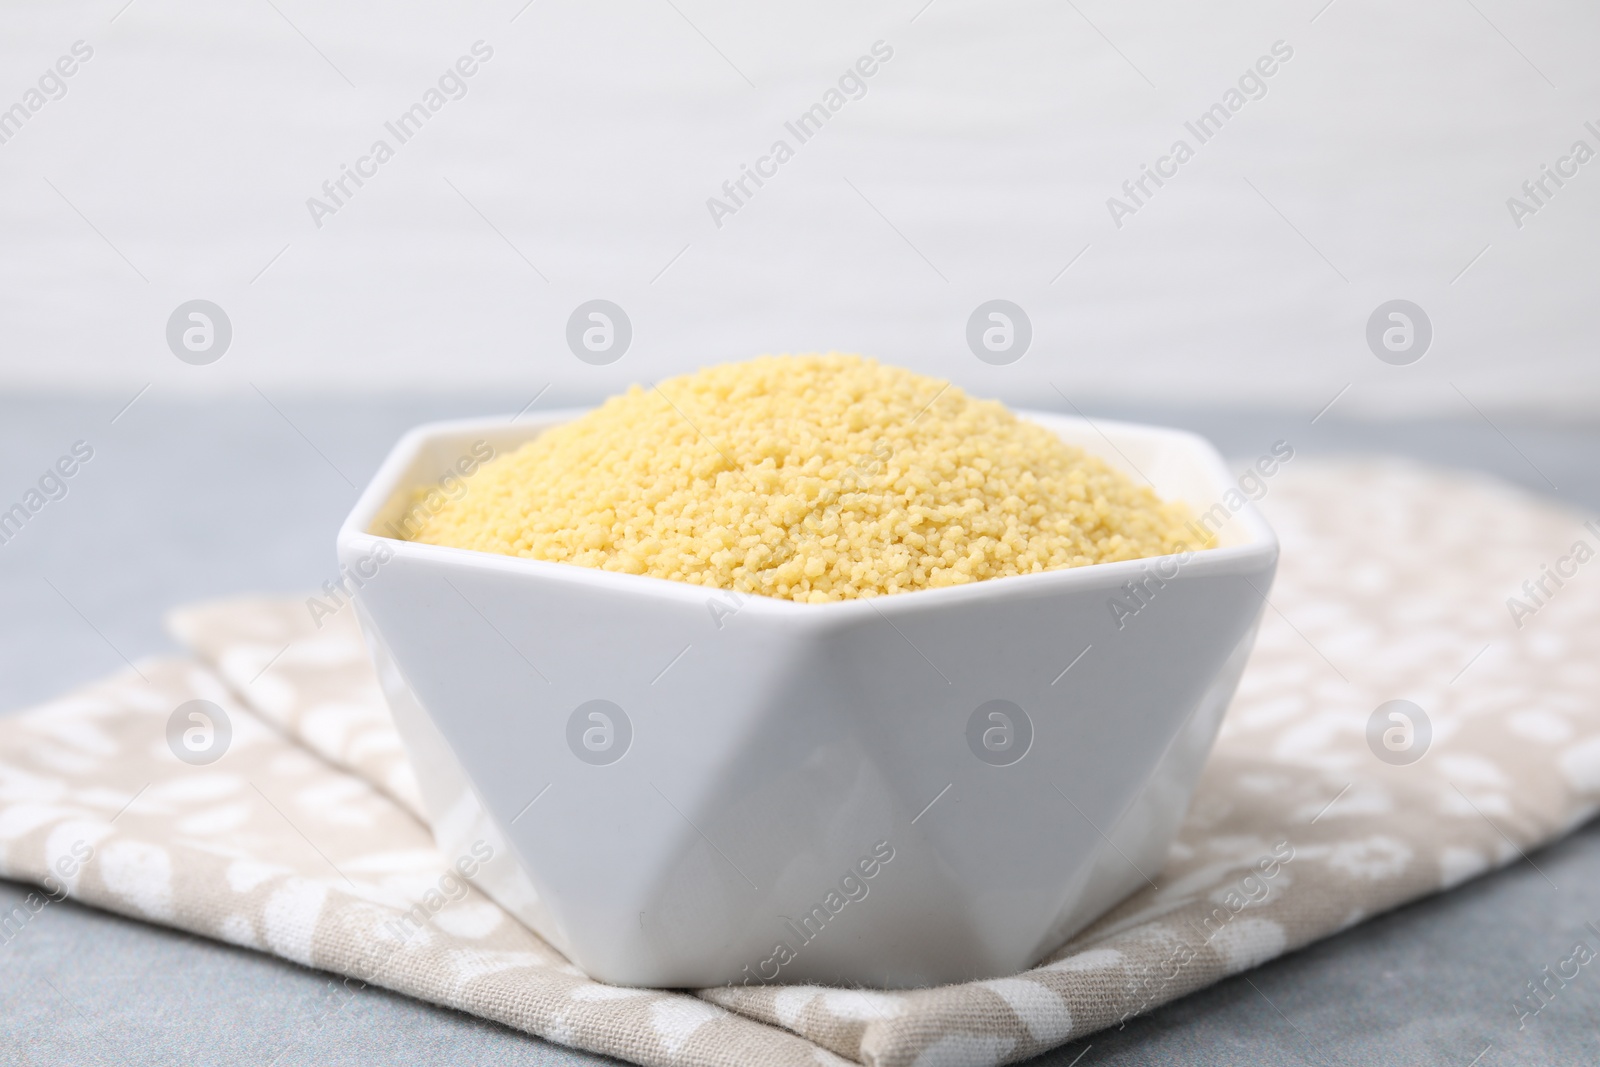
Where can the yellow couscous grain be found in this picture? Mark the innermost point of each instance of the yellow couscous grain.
(812, 478)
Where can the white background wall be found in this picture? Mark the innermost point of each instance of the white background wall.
(1377, 166)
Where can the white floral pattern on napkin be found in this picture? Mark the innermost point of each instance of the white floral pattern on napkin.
(302, 840)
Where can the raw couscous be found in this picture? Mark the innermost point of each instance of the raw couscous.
(812, 478)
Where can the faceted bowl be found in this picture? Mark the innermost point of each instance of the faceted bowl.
(688, 787)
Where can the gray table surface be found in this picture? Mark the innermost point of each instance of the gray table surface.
(189, 499)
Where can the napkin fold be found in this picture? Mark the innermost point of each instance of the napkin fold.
(1317, 809)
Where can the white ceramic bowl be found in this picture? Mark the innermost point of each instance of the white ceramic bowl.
(684, 787)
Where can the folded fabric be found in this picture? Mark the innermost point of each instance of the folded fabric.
(1318, 807)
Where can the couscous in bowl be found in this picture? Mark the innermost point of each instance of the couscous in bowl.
(686, 785)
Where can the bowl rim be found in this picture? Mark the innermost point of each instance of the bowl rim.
(1256, 553)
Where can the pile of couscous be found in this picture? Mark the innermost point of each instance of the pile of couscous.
(812, 478)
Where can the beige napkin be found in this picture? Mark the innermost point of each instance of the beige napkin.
(302, 840)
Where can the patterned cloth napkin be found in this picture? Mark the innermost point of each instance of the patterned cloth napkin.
(1314, 813)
